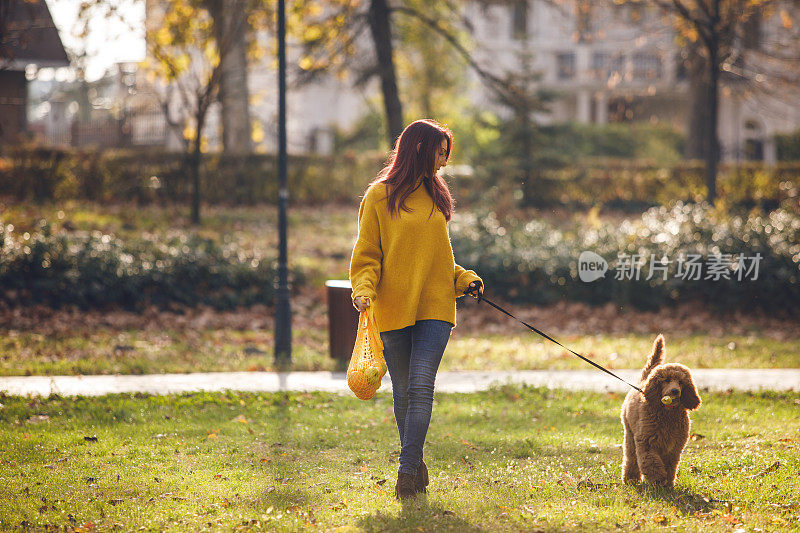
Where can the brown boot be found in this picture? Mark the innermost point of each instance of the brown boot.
(421, 479)
(405, 487)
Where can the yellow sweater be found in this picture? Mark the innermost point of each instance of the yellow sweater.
(404, 263)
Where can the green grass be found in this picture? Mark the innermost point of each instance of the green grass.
(505, 460)
(147, 351)
(529, 351)
(130, 351)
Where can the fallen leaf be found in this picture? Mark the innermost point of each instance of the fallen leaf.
(468, 444)
(771, 468)
(730, 519)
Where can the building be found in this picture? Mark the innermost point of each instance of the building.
(607, 62)
(618, 63)
(28, 38)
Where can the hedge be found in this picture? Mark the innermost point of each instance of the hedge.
(636, 184)
(96, 270)
(520, 260)
(145, 176)
(29, 173)
(535, 262)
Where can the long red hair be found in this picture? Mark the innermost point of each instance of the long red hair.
(414, 156)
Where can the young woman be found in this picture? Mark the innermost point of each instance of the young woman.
(402, 266)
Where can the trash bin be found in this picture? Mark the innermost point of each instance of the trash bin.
(342, 319)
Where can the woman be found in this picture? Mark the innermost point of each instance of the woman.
(403, 264)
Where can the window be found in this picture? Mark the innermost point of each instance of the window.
(519, 20)
(646, 67)
(566, 65)
(754, 150)
(754, 143)
(617, 66)
(600, 61)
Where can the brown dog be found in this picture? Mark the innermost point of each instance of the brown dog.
(657, 422)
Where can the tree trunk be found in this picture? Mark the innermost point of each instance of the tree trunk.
(712, 157)
(381, 29)
(699, 107)
(230, 28)
(194, 162)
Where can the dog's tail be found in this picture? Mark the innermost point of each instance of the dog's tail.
(656, 357)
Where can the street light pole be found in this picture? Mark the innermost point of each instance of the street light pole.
(283, 314)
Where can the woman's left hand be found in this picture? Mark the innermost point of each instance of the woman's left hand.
(475, 286)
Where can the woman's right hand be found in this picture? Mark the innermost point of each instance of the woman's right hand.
(361, 303)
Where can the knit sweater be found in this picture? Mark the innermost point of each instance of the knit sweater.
(404, 262)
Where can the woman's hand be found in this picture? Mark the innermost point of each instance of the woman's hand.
(475, 289)
(361, 303)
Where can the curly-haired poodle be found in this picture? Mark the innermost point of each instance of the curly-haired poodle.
(657, 421)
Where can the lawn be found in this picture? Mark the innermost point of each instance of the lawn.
(504, 460)
(131, 351)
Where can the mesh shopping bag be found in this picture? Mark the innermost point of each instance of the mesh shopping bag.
(367, 366)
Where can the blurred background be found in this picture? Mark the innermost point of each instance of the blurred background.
(648, 128)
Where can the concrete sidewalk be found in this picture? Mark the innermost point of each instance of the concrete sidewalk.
(463, 381)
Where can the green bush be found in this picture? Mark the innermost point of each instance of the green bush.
(788, 146)
(616, 140)
(532, 261)
(634, 184)
(31, 173)
(92, 269)
(555, 179)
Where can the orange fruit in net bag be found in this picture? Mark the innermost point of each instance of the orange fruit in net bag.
(367, 366)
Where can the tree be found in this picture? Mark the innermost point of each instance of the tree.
(186, 54)
(230, 23)
(717, 35)
(231, 26)
(330, 32)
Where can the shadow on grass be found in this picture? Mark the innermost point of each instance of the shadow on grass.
(683, 499)
(418, 515)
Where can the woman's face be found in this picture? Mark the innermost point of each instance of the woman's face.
(441, 156)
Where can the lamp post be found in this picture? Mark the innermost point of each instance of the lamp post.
(283, 314)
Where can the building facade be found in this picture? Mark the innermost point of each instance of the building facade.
(621, 63)
(606, 62)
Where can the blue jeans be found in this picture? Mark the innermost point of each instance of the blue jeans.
(413, 355)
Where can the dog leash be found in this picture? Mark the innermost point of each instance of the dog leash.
(480, 298)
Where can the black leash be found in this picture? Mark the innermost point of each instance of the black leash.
(480, 298)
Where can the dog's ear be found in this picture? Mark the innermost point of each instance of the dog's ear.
(651, 391)
(690, 399)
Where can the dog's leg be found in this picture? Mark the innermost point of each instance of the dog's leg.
(671, 466)
(650, 463)
(630, 467)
